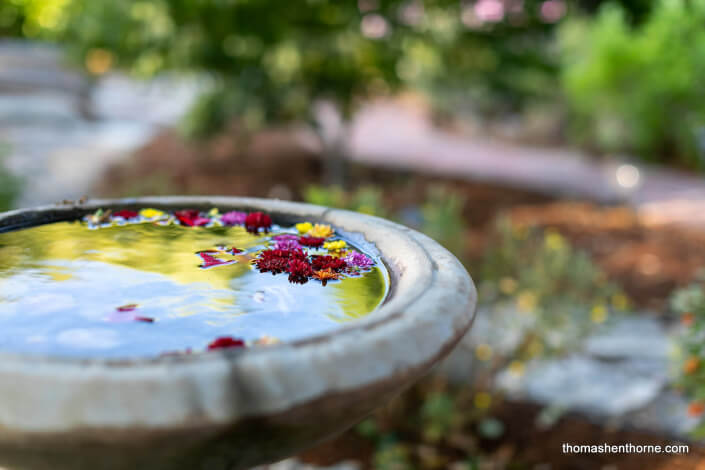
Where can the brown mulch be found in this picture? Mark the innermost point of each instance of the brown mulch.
(649, 261)
(524, 446)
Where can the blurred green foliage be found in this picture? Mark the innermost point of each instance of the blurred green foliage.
(270, 60)
(10, 185)
(689, 304)
(562, 294)
(638, 88)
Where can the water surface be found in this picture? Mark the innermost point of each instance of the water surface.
(62, 286)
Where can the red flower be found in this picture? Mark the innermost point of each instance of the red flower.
(225, 342)
(127, 308)
(257, 220)
(125, 214)
(277, 261)
(145, 319)
(311, 241)
(234, 251)
(191, 218)
(299, 271)
(321, 262)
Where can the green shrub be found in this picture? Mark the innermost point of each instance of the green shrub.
(561, 294)
(638, 89)
(689, 303)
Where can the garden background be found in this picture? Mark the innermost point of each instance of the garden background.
(555, 147)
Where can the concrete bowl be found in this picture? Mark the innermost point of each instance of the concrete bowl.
(234, 409)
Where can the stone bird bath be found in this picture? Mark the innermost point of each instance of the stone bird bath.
(227, 409)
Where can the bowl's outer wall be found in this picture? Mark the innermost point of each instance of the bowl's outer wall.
(233, 410)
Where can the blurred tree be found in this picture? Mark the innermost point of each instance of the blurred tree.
(272, 62)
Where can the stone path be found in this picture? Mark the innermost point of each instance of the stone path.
(619, 376)
(54, 147)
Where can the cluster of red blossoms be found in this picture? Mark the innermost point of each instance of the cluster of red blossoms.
(311, 241)
(299, 266)
(257, 220)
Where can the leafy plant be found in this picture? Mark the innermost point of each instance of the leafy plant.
(637, 88)
(689, 303)
(560, 292)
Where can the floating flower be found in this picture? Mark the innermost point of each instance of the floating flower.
(126, 214)
(257, 220)
(151, 213)
(233, 218)
(285, 236)
(144, 319)
(299, 271)
(226, 342)
(191, 218)
(320, 231)
(99, 217)
(209, 260)
(287, 244)
(359, 260)
(320, 262)
(267, 341)
(335, 246)
(304, 227)
(277, 261)
(311, 241)
(325, 275)
(127, 308)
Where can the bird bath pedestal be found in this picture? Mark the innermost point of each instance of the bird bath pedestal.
(233, 409)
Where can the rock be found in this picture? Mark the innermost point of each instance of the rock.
(587, 385)
(638, 336)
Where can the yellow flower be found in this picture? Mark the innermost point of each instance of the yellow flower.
(151, 213)
(598, 314)
(213, 212)
(483, 352)
(554, 241)
(516, 368)
(507, 285)
(526, 301)
(304, 227)
(320, 231)
(335, 246)
(534, 348)
(482, 400)
(620, 301)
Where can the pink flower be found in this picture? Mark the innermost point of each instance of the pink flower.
(233, 218)
(287, 245)
(359, 260)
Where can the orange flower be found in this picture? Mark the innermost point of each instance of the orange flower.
(688, 319)
(696, 408)
(325, 275)
(691, 365)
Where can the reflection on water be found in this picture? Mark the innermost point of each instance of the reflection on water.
(61, 285)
